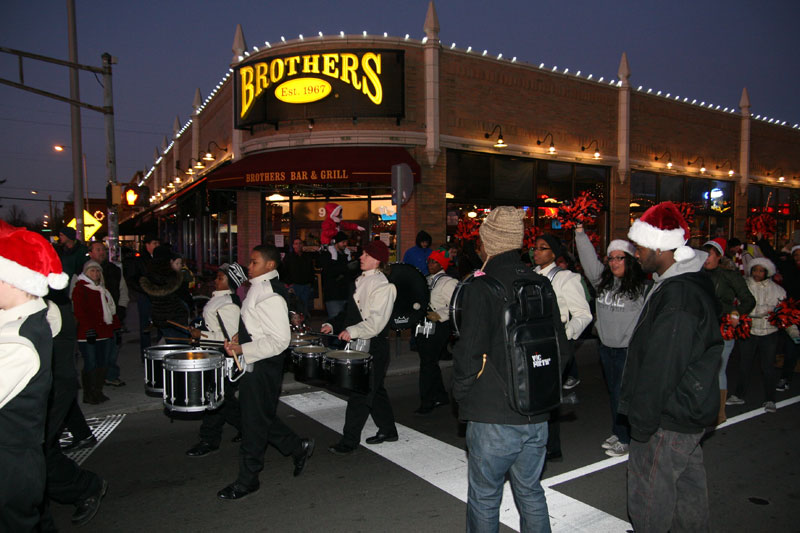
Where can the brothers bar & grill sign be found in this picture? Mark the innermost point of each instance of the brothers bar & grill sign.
(325, 84)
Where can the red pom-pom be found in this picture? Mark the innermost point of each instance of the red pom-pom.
(785, 314)
(583, 210)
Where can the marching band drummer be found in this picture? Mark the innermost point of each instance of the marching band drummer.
(224, 304)
(263, 337)
(366, 316)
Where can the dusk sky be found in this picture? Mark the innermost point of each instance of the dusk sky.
(705, 50)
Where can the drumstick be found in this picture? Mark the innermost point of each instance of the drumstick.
(228, 338)
(325, 334)
(185, 339)
(184, 327)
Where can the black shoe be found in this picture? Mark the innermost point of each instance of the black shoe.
(440, 403)
(237, 438)
(554, 457)
(79, 444)
(382, 437)
(115, 382)
(341, 449)
(306, 451)
(235, 491)
(201, 449)
(423, 411)
(87, 508)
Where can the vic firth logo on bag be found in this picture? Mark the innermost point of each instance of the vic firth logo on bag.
(537, 360)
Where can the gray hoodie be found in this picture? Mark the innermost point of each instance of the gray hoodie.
(616, 313)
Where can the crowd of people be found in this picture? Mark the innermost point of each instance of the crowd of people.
(660, 311)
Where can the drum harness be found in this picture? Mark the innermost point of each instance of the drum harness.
(428, 327)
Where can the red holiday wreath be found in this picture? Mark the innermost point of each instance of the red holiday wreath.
(467, 229)
(687, 211)
(763, 224)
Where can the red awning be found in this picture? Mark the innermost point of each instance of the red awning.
(346, 164)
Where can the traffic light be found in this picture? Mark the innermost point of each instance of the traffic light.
(133, 195)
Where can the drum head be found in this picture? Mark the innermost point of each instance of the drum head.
(159, 351)
(198, 359)
(303, 339)
(312, 350)
(347, 355)
(411, 303)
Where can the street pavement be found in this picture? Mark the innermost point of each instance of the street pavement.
(415, 484)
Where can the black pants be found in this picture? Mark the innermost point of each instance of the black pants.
(554, 424)
(67, 483)
(376, 402)
(790, 356)
(21, 487)
(230, 412)
(259, 391)
(761, 348)
(431, 386)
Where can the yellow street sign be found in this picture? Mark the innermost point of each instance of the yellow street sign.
(90, 225)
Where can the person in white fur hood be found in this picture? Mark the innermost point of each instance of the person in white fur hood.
(763, 340)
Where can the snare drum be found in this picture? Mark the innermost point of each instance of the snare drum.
(303, 339)
(307, 362)
(153, 361)
(194, 380)
(348, 369)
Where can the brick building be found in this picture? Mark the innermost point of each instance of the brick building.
(297, 124)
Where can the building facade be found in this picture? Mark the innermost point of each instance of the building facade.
(297, 125)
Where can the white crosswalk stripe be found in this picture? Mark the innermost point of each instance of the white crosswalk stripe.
(445, 467)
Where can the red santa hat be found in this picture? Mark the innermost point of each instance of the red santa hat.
(28, 261)
(662, 227)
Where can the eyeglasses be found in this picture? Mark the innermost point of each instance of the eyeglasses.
(541, 248)
(617, 258)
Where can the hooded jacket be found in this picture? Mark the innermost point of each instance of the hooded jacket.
(671, 373)
(167, 293)
(484, 398)
(767, 294)
(730, 288)
(417, 255)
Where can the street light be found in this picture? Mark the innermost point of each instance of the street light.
(61, 148)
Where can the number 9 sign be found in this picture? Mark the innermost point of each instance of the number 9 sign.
(321, 212)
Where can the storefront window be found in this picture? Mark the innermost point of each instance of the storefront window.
(643, 192)
(670, 189)
(512, 180)
(782, 203)
(468, 175)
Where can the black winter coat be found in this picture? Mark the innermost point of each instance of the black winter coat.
(671, 373)
(168, 296)
(484, 399)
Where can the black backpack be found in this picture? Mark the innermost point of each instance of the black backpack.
(535, 343)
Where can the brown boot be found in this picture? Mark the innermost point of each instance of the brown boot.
(99, 381)
(723, 396)
(88, 388)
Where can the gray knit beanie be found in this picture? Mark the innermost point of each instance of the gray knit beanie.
(502, 230)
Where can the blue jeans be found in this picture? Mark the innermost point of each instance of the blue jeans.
(96, 355)
(334, 307)
(613, 363)
(497, 449)
(143, 306)
(727, 348)
(667, 483)
(304, 294)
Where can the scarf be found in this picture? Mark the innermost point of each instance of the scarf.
(105, 297)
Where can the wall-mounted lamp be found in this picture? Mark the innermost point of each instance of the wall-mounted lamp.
(730, 165)
(596, 148)
(702, 163)
(778, 172)
(669, 158)
(355, 121)
(500, 142)
(209, 157)
(198, 163)
(552, 149)
(310, 124)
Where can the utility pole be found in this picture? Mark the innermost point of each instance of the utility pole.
(111, 159)
(75, 121)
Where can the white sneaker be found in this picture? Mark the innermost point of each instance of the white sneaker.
(609, 442)
(571, 383)
(769, 407)
(734, 400)
(782, 385)
(618, 449)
